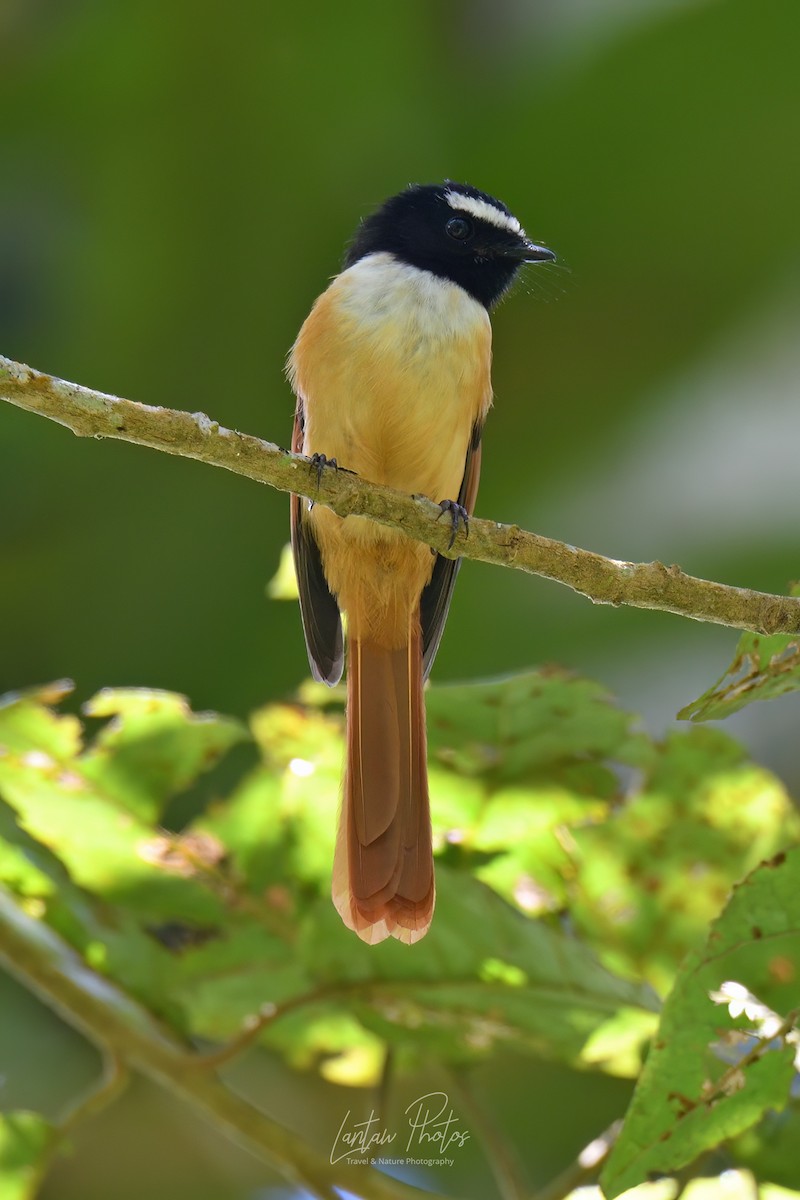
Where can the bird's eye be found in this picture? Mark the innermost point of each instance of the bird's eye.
(459, 228)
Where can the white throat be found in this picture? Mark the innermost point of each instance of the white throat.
(380, 289)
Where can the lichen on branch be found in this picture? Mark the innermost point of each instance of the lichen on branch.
(194, 435)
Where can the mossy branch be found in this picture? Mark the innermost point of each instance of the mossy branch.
(132, 1037)
(194, 435)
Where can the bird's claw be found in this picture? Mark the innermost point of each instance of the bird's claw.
(458, 516)
(318, 464)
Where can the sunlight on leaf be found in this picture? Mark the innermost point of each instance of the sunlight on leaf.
(660, 1189)
(494, 969)
(769, 1149)
(618, 1045)
(104, 848)
(361, 1065)
(547, 803)
(513, 980)
(283, 585)
(279, 825)
(772, 1191)
(647, 881)
(29, 724)
(730, 1185)
(708, 1076)
(22, 875)
(763, 668)
(153, 747)
(25, 1139)
(546, 721)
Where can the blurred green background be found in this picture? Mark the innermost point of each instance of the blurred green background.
(177, 182)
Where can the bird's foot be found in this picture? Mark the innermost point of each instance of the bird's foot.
(319, 462)
(458, 516)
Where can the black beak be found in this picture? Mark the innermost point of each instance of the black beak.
(528, 252)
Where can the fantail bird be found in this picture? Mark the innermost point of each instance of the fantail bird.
(392, 376)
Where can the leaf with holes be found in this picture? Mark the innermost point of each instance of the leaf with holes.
(546, 723)
(725, 1049)
(764, 668)
(153, 747)
(512, 981)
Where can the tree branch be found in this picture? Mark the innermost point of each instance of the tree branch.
(38, 957)
(194, 435)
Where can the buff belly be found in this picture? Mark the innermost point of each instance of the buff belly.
(393, 369)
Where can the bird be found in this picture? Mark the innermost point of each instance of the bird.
(391, 371)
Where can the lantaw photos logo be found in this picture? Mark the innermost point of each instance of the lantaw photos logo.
(431, 1133)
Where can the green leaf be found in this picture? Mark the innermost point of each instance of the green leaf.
(543, 722)
(22, 875)
(105, 849)
(511, 980)
(283, 585)
(714, 1069)
(210, 925)
(94, 810)
(28, 724)
(231, 977)
(25, 1142)
(648, 880)
(770, 1149)
(279, 825)
(764, 667)
(278, 829)
(524, 829)
(126, 880)
(515, 762)
(153, 748)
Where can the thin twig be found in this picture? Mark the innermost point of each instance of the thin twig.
(194, 435)
(254, 1024)
(113, 1081)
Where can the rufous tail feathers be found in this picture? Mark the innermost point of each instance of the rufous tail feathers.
(383, 881)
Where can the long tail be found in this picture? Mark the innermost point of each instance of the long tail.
(383, 869)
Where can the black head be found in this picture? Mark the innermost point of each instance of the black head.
(456, 232)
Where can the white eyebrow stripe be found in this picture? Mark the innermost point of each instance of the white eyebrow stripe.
(484, 212)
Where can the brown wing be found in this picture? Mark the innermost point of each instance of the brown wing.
(322, 624)
(437, 595)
